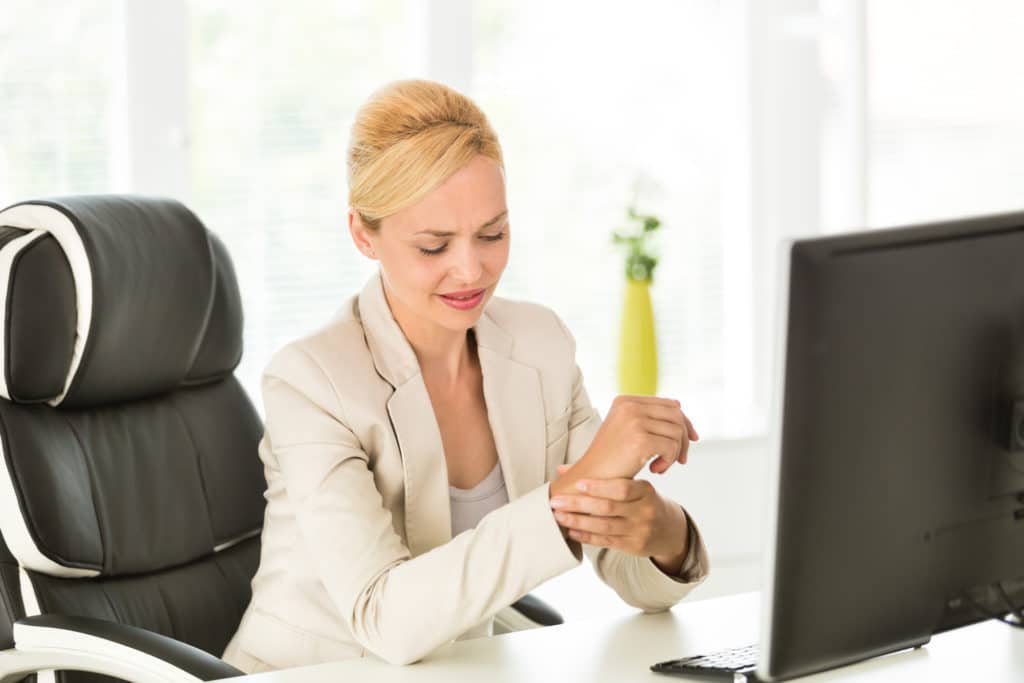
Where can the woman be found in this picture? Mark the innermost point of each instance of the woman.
(416, 448)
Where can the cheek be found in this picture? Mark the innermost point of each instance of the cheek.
(498, 258)
(414, 276)
(426, 275)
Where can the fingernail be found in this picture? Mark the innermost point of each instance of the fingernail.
(560, 516)
(558, 502)
(582, 485)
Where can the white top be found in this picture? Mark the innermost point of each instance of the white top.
(469, 506)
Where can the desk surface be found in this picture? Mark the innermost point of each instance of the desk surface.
(622, 649)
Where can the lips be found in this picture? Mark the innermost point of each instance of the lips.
(463, 295)
(459, 300)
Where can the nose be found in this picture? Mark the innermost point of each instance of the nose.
(466, 265)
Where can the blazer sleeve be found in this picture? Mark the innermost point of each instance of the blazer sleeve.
(396, 606)
(637, 580)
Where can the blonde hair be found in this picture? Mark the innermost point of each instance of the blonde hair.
(407, 139)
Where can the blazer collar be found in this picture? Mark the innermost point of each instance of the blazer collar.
(515, 412)
(392, 355)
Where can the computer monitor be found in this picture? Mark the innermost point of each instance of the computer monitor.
(900, 472)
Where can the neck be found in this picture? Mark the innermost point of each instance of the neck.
(447, 364)
(447, 358)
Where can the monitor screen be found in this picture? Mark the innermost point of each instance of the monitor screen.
(899, 494)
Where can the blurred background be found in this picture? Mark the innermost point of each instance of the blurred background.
(740, 123)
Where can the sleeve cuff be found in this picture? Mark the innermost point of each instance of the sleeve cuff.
(563, 553)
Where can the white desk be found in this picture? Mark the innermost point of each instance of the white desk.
(622, 649)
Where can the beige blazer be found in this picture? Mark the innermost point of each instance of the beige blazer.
(357, 555)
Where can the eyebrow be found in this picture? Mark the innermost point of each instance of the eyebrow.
(442, 233)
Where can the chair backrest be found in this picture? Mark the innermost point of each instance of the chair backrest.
(130, 486)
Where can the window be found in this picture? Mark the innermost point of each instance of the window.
(273, 91)
(631, 105)
(946, 117)
(270, 93)
(56, 86)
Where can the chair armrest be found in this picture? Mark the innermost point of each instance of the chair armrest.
(537, 611)
(55, 641)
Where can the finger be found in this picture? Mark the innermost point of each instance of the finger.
(685, 448)
(684, 451)
(671, 412)
(641, 398)
(622, 490)
(671, 415)
(562, 469)
(606, 526)
(665, 448)
(674, 428)
(676, 435)
(690, 429)
(671, 424)
(602, 507)
(595, 539)
(660, 419)
(659, 465)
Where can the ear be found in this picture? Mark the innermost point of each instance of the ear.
(360, 235)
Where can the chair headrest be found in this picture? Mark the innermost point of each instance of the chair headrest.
(109, 298)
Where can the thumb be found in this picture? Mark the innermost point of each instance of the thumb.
(562, 469)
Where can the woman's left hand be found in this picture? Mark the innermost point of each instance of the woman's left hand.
(626, 514)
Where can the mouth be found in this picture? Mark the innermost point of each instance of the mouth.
(463, 295)
(465, 299)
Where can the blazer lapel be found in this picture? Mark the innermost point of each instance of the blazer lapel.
(428, 521)
(515, 409)
(515, 412)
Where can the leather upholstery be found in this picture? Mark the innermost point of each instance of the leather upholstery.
(129, 451)
(198, 602)
(142, 485)
(41, 319)
(155, 277)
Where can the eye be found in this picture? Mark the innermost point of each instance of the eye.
(488, 238)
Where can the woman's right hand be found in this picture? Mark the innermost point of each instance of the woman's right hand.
(635, 429)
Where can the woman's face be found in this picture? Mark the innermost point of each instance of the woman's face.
(468, 252)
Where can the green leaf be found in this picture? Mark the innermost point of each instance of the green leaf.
(641, 257)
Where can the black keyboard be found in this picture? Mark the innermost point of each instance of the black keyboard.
(725, 665)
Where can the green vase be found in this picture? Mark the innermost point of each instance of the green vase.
(638, 350)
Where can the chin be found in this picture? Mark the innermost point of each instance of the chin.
(460, 320)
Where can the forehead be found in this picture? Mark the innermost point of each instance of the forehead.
(465, 201)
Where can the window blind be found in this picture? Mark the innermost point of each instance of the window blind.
(57, 71)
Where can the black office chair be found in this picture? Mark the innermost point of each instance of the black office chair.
(131, 494)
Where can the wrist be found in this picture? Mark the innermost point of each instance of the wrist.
(671, 562)
(670, 566)
(565, 484)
